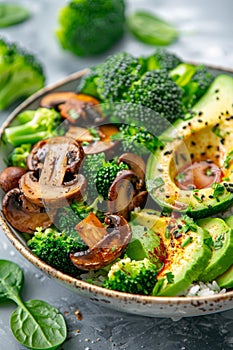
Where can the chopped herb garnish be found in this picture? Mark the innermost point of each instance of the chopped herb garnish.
(208, 172)
(218, 243)
(180, 177)
(209, 242)
(186, 242)
(170, 277)
(228, 159)
(218, 190)
(217, 131)
(94, 133)
(167, 233)
(197, 198)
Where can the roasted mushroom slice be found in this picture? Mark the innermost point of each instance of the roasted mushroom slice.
(54, 99)
(72, 151)
(110, 247)
(23, 215)
(56, 182)
(136, 164)
(121, 192)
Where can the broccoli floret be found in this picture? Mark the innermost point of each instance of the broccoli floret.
(19, 155)
(91, 165)
(194, 80)
(90, 27)
(130, 276)
(116, 75)
(155, 101)
(106, 175)
(136, 139)
(54, 248)
(162, 59)
(21, 73)
(43, 124)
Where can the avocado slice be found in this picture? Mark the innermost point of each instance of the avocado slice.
(226, 279)
(204, 138)
(186, 249)
(222, 245)
(145, 243)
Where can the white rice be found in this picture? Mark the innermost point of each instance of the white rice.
(202, 289)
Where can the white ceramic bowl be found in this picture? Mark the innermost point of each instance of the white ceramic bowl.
(174, 307)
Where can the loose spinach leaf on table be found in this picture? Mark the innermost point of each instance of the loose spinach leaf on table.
(11, 14)
(151, 29)
(35, 323)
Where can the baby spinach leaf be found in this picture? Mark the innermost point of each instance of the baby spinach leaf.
(11, 280)
(11, 14)
(150, 29)
(38, 325)
(35, 323)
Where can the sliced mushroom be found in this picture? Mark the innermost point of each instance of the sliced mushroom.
(54, 99)
(23, 215)
(109, 248)
(57, 182)
(121, 192)
(136, 164)
(9, 177)
(71, 150)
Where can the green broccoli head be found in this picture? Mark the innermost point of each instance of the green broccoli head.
(130, 276)
(162, 59)
(116, 75)
(89, 27)
(54, 248)
(106, 175)
(91, 165)
(21, 73)
(201, 81)
(136, 139)
(154, 101)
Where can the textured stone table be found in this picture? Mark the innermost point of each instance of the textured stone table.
(206, 36)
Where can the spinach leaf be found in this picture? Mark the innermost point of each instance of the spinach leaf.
(11, 280)
(150, 29)
(38, 325)
(35, 323)
(11, 14)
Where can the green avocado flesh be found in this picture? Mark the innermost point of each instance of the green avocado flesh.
(207, 137)
(187, 254)
(145, 243)
(222, 245)
(226, 279)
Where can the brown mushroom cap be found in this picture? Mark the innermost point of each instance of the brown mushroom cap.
(56, 182)
(23, 215)
(121, 192)
(109, 248)
(136, 164)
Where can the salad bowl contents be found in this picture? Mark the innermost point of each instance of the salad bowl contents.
(118, 183)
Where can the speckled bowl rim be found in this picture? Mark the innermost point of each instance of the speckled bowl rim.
(79, 284)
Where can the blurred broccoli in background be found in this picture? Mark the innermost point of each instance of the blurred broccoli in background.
(90, 27)
(21, 74)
